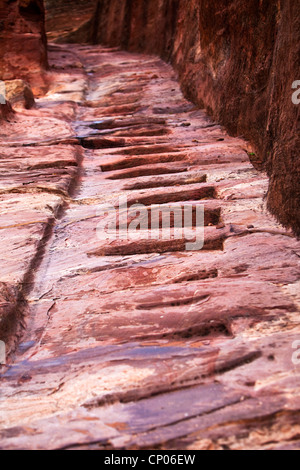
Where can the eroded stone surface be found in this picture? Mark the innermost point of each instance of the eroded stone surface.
(138, 344)
(19, 93)
(58, 25)
(237, 58)
(6, 112)
(23, 46)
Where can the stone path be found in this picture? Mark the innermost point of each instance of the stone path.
(139, 344)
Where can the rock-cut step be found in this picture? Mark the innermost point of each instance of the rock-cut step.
(194, 192)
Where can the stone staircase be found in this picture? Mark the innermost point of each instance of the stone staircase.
(140, 343)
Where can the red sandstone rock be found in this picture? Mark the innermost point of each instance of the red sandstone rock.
(19, 93)
(68, 21)
(239, 59)
(141, 348)
(23, 53)
(6, 112)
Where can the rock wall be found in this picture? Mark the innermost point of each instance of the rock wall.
(238, 59)
(63, 17)
(23, 49)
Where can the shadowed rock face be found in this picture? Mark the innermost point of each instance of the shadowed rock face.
(65, 16)
(23, 52)
(139, 343)
(19, 94)
(236, 58)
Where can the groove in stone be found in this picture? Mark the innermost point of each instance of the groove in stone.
(141, 161)
(212, 216)
(171, 181)
(203, 191)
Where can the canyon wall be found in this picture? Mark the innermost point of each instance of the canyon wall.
(23, 45)
(236, 58)
(65, 16)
